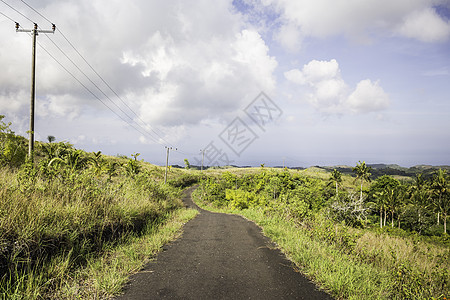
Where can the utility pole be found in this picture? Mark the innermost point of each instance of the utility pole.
(203, 156)
(34, 32)
(167, 162)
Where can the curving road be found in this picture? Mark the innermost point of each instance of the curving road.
(220, 256)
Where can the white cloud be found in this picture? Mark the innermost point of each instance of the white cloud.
(290, 37)
(358, 20)
(63, 105)
(368, 97)
(329, 93)
(173, 62)
(13, 101)
(425, 25)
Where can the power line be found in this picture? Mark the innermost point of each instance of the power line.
(36, 12)
(87, 89)
(17, 11)
(103, 80)
(112, 90)
(146, 132)
(94, 84)
(92, 68)
(7, 17)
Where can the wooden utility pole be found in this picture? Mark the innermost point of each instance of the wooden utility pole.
(203, 156)
(167, 163)
(34, 32)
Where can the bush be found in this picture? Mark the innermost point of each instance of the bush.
(13, 148)
(184, 180)
(64, 211)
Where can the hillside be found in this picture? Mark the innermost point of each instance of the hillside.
(379, 170)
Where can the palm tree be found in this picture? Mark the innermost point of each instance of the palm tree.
(381, 201)
(96, 162)
(362, 173)
(51, 138)
(441, 190)
(72, 159)
(419, 196)
(395, 201)
(336, 178)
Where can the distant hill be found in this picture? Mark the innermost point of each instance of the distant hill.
(377, 170)
(391, 169)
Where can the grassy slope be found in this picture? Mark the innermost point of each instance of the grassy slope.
(57, 233)
(354, 263)
(106, 275)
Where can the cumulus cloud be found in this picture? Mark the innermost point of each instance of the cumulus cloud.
(425, 25)
(357, 20)
(329, 93)
(173, 62)
(367, 97)
(290, 37)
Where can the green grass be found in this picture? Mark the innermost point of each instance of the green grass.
(55, 221)
(353, 263)
(105, 276)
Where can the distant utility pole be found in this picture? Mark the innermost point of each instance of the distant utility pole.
(34, 32)
(203, 156)
(167, 163)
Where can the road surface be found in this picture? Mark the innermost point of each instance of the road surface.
(220, 256)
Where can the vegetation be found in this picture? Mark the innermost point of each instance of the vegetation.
(353, 237)
(64, 218)
(74, 224)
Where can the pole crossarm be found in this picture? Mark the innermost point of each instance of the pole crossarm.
(35, 29)
(34, 33)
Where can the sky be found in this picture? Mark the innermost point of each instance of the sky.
(243, 82)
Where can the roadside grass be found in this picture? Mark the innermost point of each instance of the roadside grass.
(57, 221)
(105, 276)
(353, 263)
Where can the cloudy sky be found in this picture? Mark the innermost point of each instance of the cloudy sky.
(300, 83)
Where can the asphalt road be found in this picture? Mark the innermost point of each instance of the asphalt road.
(220, 256)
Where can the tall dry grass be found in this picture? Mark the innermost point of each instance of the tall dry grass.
(51, 224)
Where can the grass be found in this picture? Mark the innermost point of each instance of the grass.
(55, 222)
(105, 276)
(353, 263)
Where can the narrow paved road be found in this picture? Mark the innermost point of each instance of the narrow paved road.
(220, 256)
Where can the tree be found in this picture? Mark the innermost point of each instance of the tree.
(52, 150)
(336, 178)
(51, 138)
(187, 165)
(395, 200)
(419, 196)
(135, 155)
(97, 162)
(351, 209)
(383, 192)
(12, 147)
(362, 173)
(441, 199)
(73, 159)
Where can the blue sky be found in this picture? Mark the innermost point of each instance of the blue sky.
(366, 80)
